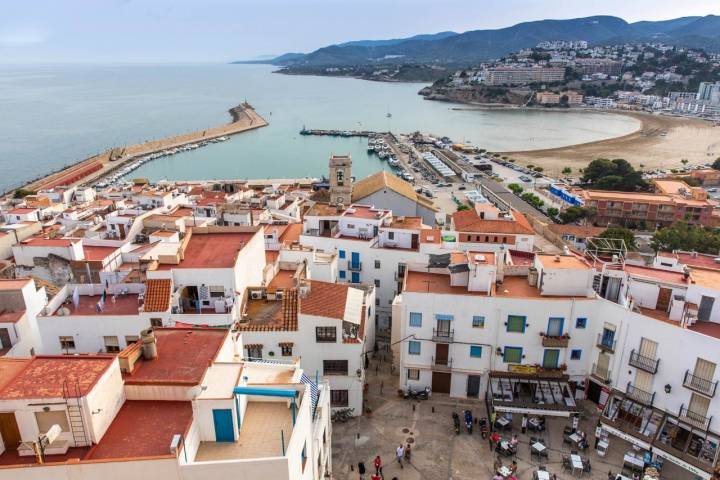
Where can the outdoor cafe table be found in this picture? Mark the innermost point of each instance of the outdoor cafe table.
(576, 463)
(542, 475)
(504, 471)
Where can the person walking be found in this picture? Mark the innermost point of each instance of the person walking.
(399, 454)
(493, 417)
(361, 470)
(378, 465)
(408, 453)
(598, 434)
(524, 424)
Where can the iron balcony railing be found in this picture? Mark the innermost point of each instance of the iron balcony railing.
(642, 362)
(555, 342)
(601, 373)
(354, 266)
(694, 418)
(440, 365)
(605, 344)
(700, 384)
(639, 395)
(443, 335)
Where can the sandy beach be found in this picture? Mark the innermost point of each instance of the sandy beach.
(661, 142)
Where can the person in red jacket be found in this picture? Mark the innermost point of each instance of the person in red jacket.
(378, 465)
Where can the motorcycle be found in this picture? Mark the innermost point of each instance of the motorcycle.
(484, 430)
(468, 421)
(411, 394)
(456, 422)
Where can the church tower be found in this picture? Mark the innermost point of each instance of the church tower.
(341, 181)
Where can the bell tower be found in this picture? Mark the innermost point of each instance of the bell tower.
(341, 180)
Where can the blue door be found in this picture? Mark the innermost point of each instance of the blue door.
(355, 260)
(608, 337)
(223, 425)
(555, 327)
(355, 277)
(551, 358)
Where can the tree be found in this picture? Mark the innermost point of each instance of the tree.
(622, 233)
(573, 214)
(462, 207)
(515, 188)
(538, 169)
(22, 193)
(684, 161)
(617, 174)
(530, 165)
(716, 164)
(512, 160)
(564, 101)
(567, 171)
(552, 212)
(686, 237)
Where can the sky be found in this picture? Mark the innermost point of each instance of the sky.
(172, 31)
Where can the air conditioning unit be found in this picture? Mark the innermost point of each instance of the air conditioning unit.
(279, 294)
(256, 295)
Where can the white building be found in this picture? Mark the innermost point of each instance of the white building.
(21, 302)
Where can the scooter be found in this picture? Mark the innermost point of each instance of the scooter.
(456, 422)
(468, 421)
(411, 394)
(484, 430)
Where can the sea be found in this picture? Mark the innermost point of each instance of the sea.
(56, 115)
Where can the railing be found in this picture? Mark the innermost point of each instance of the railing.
(694, 418)
(699, 384)
(354, 266)
(601, 373)
(642, 362)
(639, 395)
(443, 335)
(557, 342)
(605, 344)
(440, 366)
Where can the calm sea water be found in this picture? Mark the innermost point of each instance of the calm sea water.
(51, 116)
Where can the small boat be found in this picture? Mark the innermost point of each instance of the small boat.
(388, 115)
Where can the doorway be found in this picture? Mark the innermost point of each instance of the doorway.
(706, 306)
(5, 341)
(473, 386)
(441, 382)
(223, 425)
(663, 300)
(441, 353)
(9, 431)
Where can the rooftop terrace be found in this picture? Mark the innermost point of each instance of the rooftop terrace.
(126, 304)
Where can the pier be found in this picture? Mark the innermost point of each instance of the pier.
(244, 118)
(341, 133)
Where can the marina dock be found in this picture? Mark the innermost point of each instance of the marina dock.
(244, 118)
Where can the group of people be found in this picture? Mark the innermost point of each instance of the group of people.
(401, 454)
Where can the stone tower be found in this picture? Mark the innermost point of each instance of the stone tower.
(341, 181)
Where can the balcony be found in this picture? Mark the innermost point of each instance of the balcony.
(438, 365)
(642, 362)
(605, 344)
(694, 418)
(600, 373)
(555, 342)
(443, 336)
(354, 266)
(639, 395)
(699, 384)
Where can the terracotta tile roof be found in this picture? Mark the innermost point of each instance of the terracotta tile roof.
(44, 376)
(11, 317)
(469, 221)
(381, 180)
(579, 231)
(157, 295)
(325, 300)
(13, 283)
(9, 367)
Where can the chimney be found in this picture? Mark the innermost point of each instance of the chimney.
(149, 344)
(557, 259)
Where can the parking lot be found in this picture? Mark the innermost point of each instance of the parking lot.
(438, 453)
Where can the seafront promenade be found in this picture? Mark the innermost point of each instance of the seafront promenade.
(244, 118)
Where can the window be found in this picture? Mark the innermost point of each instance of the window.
(325, 334)
(338, 398)
(413, 347)
(377, 263)
(335, 367)
(156, 322)
(575, 354)
(512, 355)
(413, 374)
(130, 339)
(67, 343)
(478, 321)
(254, 351)
(286, 349)
(415, 319)
(303, 456)
(581, 322)
(341, 253)
(343, 274)
(111, 344)
(377, 301)
(45, 420)
(516, 323)
(391, 235)
(377, 283)
(475, 351)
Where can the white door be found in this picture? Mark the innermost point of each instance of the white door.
(648, 348)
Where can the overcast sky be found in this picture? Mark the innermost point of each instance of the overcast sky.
(224, 30)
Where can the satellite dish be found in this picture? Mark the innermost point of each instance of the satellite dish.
(53, 433)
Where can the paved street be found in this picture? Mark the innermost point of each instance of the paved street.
(438, 453)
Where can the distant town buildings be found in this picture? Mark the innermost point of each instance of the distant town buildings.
(523, 75)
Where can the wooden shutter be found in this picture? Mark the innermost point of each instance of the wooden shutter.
(704, 369)
(648, 348)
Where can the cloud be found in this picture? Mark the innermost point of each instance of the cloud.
(21, 37)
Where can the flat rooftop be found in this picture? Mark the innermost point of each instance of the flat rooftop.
(98, 253)
(212, 250)
(263, 315)
(283, 279)
(563, 262)
(183, 357)
(656, 274)
(264, 425)
(44, 376)
(88, 305)
(422, 282)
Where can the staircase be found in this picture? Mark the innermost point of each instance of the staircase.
(73, 400)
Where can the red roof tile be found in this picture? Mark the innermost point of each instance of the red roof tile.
(157, 295)
(325, 300)
(212, 250)
(469, 221)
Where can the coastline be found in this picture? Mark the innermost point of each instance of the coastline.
(244, 118)
(661, 141)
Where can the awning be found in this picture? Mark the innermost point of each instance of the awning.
(682, 464)
(539, 393)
